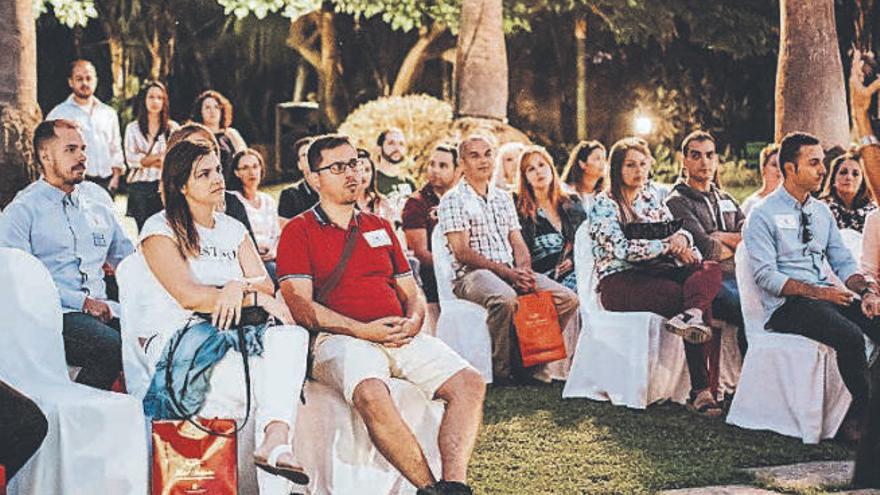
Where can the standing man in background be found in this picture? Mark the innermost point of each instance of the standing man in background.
(98, 124)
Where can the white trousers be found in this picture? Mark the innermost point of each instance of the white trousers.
(276, 382)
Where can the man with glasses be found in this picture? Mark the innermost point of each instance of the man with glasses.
(63, 222)
(369, 311)
(789, 237)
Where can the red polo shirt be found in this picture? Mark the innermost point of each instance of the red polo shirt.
(311, 247)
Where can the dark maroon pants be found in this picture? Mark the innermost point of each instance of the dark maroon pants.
(667, 293)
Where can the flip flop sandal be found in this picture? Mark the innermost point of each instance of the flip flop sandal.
(295, 474)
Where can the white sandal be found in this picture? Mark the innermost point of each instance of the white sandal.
(295, 474)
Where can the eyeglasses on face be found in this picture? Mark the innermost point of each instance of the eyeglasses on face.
(339, 168)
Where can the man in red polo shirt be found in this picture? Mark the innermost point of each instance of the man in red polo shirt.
(370, 323)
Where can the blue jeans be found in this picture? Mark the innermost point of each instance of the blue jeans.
(196, 350)
(726, 307)
(95, 346)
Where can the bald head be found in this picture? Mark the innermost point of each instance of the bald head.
(83, 79)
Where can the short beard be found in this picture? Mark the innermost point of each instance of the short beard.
(392, 160)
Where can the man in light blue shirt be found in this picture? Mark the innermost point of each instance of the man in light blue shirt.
(70, 226)
(98, 123)
(789, 237)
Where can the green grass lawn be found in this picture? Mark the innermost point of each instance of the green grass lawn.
(534, 442)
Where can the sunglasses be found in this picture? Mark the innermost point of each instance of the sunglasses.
(806, 233)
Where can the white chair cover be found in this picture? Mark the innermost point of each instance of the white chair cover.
(462, 324)
(789, 384)
(623, 357)
(330, 439)
(95, 442)
(332, 443)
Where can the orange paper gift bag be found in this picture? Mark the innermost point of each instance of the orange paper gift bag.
(537, 328)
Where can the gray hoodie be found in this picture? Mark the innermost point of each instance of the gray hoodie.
(705, 213)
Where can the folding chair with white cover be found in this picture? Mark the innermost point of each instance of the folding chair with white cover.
(462, 324)
(95, 443)
(789, 383)
(623, 357)
(330, 439)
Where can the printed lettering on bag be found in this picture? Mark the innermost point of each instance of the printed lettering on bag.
(786, 221)
(377, 238)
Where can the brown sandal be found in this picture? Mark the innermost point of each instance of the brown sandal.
(704, 404)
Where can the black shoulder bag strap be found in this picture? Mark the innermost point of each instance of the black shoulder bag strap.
(323, 291)
(188, 415)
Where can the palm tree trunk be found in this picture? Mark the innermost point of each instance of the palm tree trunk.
(580, 36)
(810, 91)
(19, 112)
(480, 76)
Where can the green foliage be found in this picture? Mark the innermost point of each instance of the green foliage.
(71, 13)
(419, 116)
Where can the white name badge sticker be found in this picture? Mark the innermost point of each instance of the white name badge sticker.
(726, 206)
(786, 221)
(377, 238)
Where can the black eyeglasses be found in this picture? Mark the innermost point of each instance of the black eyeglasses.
(806, 233)
(338, 168)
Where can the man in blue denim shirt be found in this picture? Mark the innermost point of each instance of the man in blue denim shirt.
(71, 227)
(789, 237)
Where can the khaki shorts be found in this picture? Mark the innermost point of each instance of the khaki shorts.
(343, 362)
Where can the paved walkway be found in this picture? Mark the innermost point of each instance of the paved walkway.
(798, 478)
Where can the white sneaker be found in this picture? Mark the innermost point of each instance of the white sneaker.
(689, 325)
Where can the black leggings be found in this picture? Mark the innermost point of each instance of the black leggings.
(22, 429)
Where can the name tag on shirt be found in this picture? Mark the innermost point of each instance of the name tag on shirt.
(786, 221)
(99, 239)
(726, 206)
(377, 238)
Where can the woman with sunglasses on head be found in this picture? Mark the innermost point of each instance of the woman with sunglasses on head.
(846, 193)
(645, 261)
(145, 144)
(209, 265)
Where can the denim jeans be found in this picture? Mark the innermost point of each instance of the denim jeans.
(196, 349)
(95, 346)
(726, 307)
(840, 327)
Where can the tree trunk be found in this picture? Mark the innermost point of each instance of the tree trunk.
(329, 63)
(480, 75)
(580, 36)
(19, 112)
(117, 61)
(810, 91)
(414, 63)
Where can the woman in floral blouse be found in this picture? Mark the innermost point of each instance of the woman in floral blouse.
(847, 194)
(653, 267)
